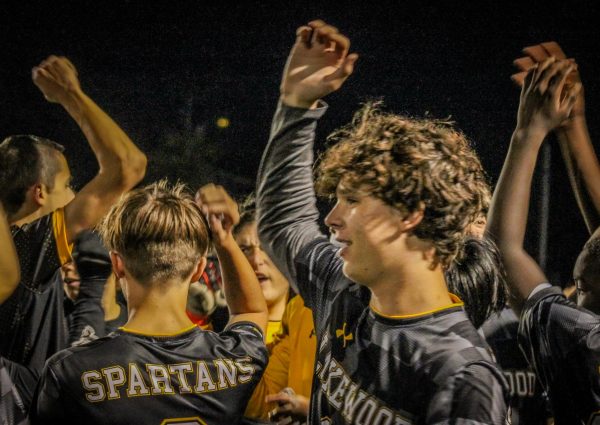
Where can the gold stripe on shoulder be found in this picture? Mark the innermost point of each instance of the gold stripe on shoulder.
(59, 228)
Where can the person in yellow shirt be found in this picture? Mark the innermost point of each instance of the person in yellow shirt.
(285, 387)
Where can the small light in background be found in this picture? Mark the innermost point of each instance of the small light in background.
(223, 122)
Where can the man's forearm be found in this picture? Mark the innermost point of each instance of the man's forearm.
(242, 289)
(583, 169)
(116, 154)
(507, 219)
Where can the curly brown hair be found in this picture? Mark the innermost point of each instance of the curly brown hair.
(410, 164)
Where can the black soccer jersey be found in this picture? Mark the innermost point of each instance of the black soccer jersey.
(562, 343)
(196, 377)
(17, 383)
(432, 368)
(427, 369)
(32, 322)
(528, 401)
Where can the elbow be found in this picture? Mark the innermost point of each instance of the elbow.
(132, 170)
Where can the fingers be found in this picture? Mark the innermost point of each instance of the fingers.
(541, 72)
(548, 73)
(557, 82)
(341, 44)
(57, 66)
(519, 78)
(303, 35)
(214, 201)
(553, 49)
(537, 53)
(570, 98)
(528, 79)
(280, 397)
(345, 69)
(315, 25)
(524, 63)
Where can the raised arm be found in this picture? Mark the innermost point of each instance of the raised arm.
(240, 284)
(318, 64)
(545, 103)
(10, 271)
(121, 164)
(574, 139)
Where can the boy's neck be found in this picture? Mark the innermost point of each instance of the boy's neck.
(415, 289)
(158, 312)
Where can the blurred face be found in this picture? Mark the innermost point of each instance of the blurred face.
(61, 193)
(274, 285)
(70, 280)
(368, 230)
(586, 275)
(477, 228)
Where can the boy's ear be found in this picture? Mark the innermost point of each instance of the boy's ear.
(199, 270)
(412, 220)
(117, 264)
(38, 194)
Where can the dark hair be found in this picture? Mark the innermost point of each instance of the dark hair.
(24, 161)
(410, 164)
(247, 212)
(478, 278)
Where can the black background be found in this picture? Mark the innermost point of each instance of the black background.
(160, 67)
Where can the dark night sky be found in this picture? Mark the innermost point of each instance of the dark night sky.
(159, 67)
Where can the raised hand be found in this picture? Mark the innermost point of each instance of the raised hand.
(539, 53)
(546, 101)
(318, 64)
(220, 209)
(56, 77)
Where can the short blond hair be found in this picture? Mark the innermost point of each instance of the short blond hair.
(159, 231)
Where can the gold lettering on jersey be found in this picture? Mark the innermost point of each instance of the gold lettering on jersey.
(115, 378)
(205, 382)
(95, 391)
(227, 373)
(181, 369)
(160, 378)
(114, 381)
(137, 385)
(246, 369)
(356, 406)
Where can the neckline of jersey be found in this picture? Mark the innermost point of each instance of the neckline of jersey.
(157, 335)
(456, 302)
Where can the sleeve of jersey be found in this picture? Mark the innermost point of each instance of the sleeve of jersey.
(94, 267)
(23, 378)
(285, 196)
(273, 380)
(39, 249)
(246, 339)
(47, 406)
(553, 327)
(476, 396)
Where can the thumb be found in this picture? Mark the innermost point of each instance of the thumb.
(345, 69)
